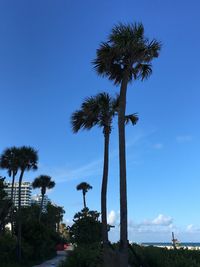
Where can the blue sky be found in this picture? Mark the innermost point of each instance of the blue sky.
(46, 50)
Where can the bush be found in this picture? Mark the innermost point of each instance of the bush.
(84, 256)
(86, 229)
(162, 257)
(7, 248)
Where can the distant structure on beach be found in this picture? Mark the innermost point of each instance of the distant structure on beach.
(175, 242)
(25, 193)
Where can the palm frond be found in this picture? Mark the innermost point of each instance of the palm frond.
(142, 71)
(132, 118)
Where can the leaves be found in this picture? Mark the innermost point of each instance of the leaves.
(127, 49)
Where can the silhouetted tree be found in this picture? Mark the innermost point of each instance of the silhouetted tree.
(8, 161)
(84, 187)
(100, 111)
(126, 56)
(44, 182)
(27, 160)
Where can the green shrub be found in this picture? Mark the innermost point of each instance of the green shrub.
(84, 256)
(7, 248)
(86, 229)
(162, 257)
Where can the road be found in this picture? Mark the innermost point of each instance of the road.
(53, 262)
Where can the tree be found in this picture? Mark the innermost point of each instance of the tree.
(27, 159)
(84, 187)
(100, 111)
(86, 229)
(44, 182)
(126, 56)
(5, 205)
(8, 161)
(54, 216)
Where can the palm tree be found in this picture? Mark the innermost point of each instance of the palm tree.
(8, 161)
(44, 182)
(27, 160)
(126, 56)
(100, 110)
(84, 187)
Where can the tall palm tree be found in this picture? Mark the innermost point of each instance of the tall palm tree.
(27, 160)
(44, 182)
(8, 161)
(84, 187)
(125, 56)
(100, 110)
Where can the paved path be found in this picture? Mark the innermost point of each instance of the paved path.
(53, 262)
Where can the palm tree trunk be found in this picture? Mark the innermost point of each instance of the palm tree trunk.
(106, 261)
(13, 204)
(41, 207)
(19, 234)
(122, 167)
(84, 201)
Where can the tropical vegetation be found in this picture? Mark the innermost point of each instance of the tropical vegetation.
(30, 240)
(44, 182)
(84, 187)
(126, 56)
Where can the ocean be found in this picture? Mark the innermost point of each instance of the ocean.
(182, 244)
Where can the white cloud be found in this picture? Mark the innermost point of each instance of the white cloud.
(112, 217)
(162, 220)
(183, 138)
(191, 228)
(65, 174)
(158, 229)
(158, 146)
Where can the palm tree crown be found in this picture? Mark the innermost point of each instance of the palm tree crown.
(8, 160)
(44, 182)
(27, 158)
(96, 110)
(127, 49)
(84, 187)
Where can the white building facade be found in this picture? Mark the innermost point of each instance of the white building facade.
(25, 193)
(37, 200)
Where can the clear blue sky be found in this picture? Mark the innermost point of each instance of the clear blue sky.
(46, 50)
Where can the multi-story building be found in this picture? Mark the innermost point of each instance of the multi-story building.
(37, 200)
(25, 193)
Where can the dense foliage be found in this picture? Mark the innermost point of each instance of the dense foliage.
(163, 257)
(39, 239)
(84, 256)
(86, 229)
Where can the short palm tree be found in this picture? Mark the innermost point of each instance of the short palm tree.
(8, 161)
(124, 57)
(84, 187)
(100, 110)
(27, 159)
(44, 182)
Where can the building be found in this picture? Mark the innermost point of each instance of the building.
(25, 193)
(37, 200)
